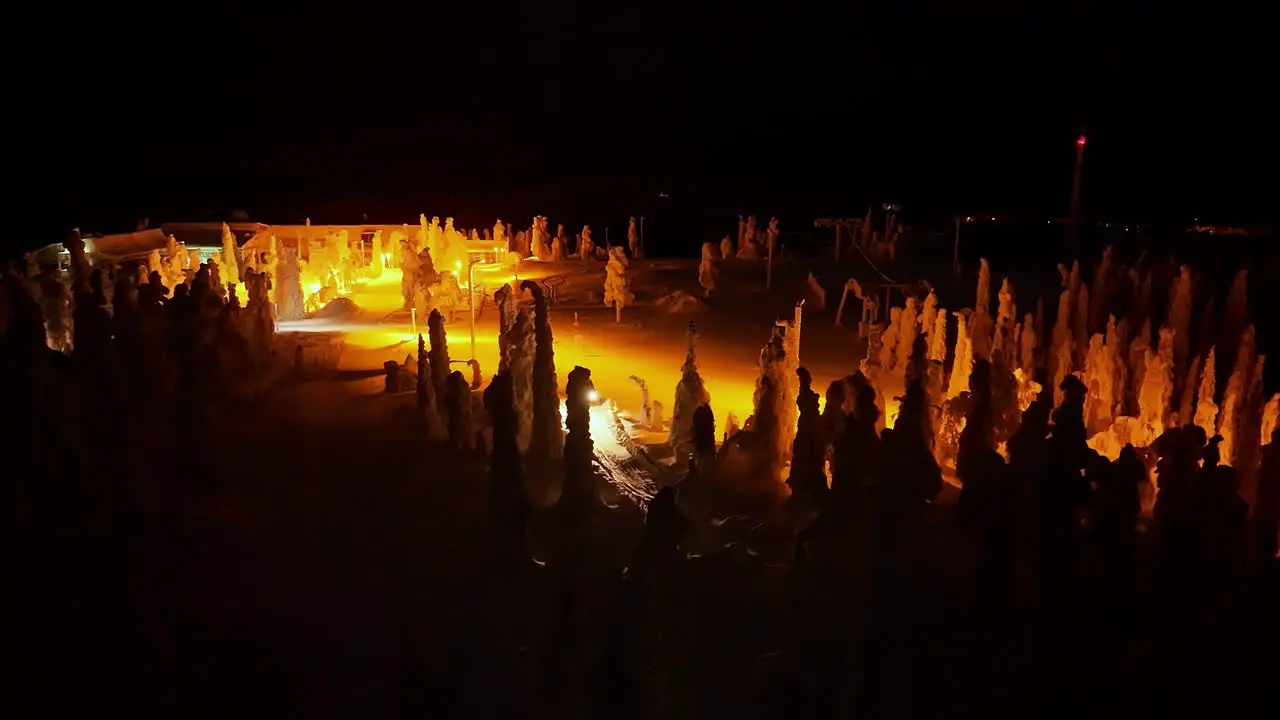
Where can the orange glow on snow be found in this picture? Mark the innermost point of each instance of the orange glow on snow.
(891, 409)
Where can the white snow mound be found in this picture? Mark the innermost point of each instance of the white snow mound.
(679, 302)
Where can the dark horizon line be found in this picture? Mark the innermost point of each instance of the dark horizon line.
(608, 193)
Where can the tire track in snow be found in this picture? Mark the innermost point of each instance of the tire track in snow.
(620, 460)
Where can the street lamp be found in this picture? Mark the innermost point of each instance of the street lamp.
(1073, 214)
(471, 297)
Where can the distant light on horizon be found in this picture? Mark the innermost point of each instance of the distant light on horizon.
(1080, 141)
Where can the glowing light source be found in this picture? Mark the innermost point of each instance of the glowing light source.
(1080, 141)
(593, 396)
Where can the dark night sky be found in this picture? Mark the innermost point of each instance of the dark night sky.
(391, 107)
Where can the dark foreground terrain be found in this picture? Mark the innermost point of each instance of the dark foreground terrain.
(209, 574)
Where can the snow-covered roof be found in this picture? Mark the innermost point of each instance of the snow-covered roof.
(124, 245)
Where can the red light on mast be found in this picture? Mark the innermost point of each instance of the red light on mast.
(1080, 142)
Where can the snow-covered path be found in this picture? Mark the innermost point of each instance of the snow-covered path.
(619, 460)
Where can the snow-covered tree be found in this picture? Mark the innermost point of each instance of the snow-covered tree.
(435, 235)
(500, 235)
(578, 447)
(508, 506)
(563, 238)
(617, 286)
(439, 353)
(177, 261)
(546, 440)
(646, 409)
(260, 322)
(55, 307)
(726, 248)
(462, 431)
(691, 393)
(426, 395)
(377, 264)
(586, 247)
(707, 270)
(230, 265)
(506, 318)
(520, 353)
(541, 239)
(809, 449)
(215, 277)
(289, 293)
(747, 247)
(770, 398)
(80, 269)
(633, 239)
(702, 463)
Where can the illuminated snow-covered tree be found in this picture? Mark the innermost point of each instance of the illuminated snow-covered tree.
(177, 260)
(747, 247)
(435, 235)
(230, 265)
(156, 265)
(726, 248)
(564, 239)
(646, 408)
(258, 317)
(617, 286)
(426, 395)
(408, 272)
(500, 235)
(769, 397)
(633, 239)
(546, 440)
(271, 265)
(586, 247)
(707, 270)
(520, 354)
(691, 393)
(541, 240)
(215, 277)
(377, 263)
(1233, 399)
(506, 318)
(439, 353)
(289, 296)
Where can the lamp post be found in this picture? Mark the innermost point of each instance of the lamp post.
(1073, 214)
(471, 298)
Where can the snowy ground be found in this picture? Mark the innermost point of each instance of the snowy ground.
(649, 343)
(328, 562)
